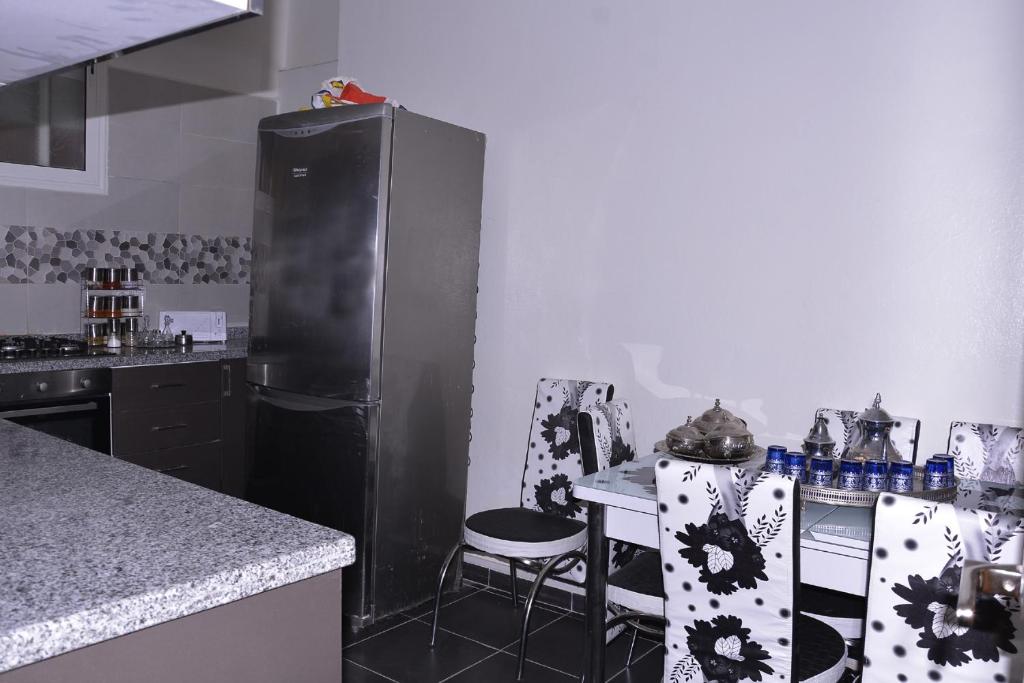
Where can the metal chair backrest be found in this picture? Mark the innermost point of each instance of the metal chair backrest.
(730, 563)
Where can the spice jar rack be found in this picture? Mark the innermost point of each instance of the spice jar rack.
(113, 300)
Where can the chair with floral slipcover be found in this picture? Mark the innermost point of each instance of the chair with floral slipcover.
(841, 611)
(987, 452)
(635, 595)
(548, 529)
(920, 550)
(729, 551)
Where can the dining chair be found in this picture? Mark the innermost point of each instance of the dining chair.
(987, 452)
(546, 532)
(842, 611)
(729, 549)
(635, 594)
(921, 550)
(842, 426)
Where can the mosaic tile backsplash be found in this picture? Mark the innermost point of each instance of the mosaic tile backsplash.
(47, 255)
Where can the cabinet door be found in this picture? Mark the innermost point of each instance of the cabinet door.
(153, 386)
(196, 464)
(233, 426)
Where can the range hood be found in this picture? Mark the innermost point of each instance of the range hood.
(41, 36)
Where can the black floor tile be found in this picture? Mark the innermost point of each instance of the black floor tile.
(560, 646)
(350, 636)
(353, 673)
(501, 668)
(646, 669)
(475, 572)
(549, 593)
(468, 588)
(489, 618)
(404, 654)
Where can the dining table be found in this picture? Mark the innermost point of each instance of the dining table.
(835, 541)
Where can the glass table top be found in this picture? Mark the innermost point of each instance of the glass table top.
(631, 485)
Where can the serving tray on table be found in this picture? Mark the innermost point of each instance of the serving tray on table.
(865, 499)
(754, 457)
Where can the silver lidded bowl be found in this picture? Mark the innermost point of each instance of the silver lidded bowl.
(714, 417)
(685, 439)
(728, 440)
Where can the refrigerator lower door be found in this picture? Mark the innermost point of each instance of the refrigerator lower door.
(314, 458)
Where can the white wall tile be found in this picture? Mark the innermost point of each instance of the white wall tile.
(13, 309)
(12, 206)
(311, 32)
(296, 86)
(233, 117)
(144, 143)
(132, 204)
(233, 299)
(216, 210)
(54, 308)
(215, 162)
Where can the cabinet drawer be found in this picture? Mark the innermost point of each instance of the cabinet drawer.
(197, 464)
(139, 431)
(165, 385)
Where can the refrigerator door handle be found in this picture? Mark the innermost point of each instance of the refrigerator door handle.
(287, 400)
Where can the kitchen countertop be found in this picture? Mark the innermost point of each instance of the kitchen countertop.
(233, 348)
(94, 547)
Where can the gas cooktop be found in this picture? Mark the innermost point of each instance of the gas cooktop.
(41, 346)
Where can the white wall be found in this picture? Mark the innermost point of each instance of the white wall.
(788, 205)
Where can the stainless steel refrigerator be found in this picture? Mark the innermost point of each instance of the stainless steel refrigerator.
(366, 249)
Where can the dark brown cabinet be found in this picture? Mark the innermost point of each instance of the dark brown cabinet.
(186, 420)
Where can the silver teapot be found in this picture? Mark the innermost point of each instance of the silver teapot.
(873, 440)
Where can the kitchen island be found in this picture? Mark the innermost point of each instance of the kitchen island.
(115, 572)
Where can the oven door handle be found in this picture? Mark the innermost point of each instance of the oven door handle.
(50, 410)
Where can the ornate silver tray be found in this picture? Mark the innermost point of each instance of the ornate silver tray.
(753, 457)
(865, 499)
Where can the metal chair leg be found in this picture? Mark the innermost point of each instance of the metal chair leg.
(440, 589)
(515, 582)
(632, 644)
(531, 598)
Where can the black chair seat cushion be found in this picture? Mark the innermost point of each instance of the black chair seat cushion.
(522, 532)
(829, 603)
(639, 585)
(641, 575)
(820, 649)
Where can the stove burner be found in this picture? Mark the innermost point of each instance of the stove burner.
(14, 348)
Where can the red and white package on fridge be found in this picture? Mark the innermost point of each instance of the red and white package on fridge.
(342, 90)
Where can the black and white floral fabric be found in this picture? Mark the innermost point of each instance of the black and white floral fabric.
(727, 548)
(843, 427)
(553, 459)
(614, 444)
(912, 631)
(992, 453)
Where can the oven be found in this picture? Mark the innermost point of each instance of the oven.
(73, 405)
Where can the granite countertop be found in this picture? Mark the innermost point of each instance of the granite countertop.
(94, 547)
(233, 348)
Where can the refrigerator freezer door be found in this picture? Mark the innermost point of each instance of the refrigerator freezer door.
(314, 458)
(318, 262)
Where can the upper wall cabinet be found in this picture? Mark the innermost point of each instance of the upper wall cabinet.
(41, 36)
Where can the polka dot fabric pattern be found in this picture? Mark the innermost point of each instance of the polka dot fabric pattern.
(842, 426)
(553, 459)
(609, 438)
(993, 453)
(728, 546)
(912, 632)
